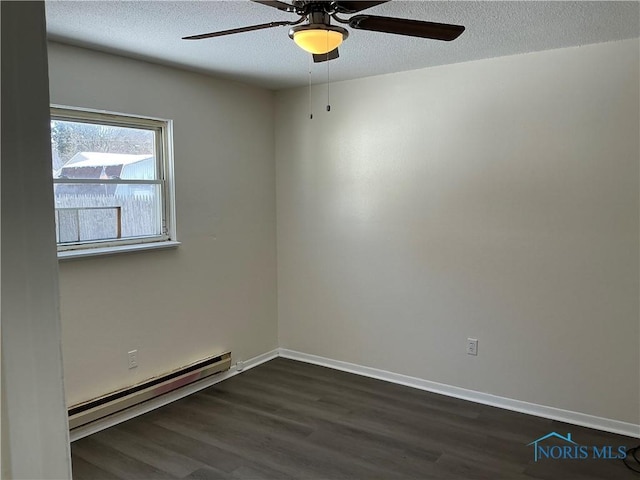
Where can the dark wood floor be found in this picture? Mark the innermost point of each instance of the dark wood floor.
(290, 420)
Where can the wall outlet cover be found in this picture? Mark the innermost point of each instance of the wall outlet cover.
(472, 346)
(133, 358)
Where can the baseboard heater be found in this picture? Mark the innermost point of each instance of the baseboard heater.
(97, 408)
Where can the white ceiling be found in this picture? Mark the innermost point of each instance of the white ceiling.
(152, 30)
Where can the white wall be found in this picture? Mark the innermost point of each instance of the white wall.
(495, 199)
(217, 291)
(35, 436)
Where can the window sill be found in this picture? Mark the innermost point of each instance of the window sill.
(101, 251)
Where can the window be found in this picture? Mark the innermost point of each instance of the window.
(112, 182)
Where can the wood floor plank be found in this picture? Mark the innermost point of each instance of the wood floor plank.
(407, 396)
(148, 451)
(146, 428)
(115, 462)
(374, 392)
(88, 471)
(382, 454)
(271, 447)
(460, 466)
(208, 473)
(288, 420)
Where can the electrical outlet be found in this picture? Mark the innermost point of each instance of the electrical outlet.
(133, 359)
(472, 346)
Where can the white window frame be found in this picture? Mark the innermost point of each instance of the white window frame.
(165, 178)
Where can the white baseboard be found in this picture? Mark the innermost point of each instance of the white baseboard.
(116, 418)
(575, 418)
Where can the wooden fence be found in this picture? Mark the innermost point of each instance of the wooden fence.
(102, 217)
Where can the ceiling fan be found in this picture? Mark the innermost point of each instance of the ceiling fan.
(322, 39)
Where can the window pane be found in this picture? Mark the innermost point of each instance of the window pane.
(91, 151)
(91, 212)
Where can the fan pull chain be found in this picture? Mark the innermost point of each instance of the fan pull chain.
(310, 103)
(328, 102)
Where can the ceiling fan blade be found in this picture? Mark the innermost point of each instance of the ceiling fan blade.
(237, 30)
(325, 57)
(401, 26)
(275, 4)
(356, 6)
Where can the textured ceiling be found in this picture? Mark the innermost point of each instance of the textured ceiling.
(152, 30)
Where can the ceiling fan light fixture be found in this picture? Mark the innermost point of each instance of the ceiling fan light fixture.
(317, 38)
